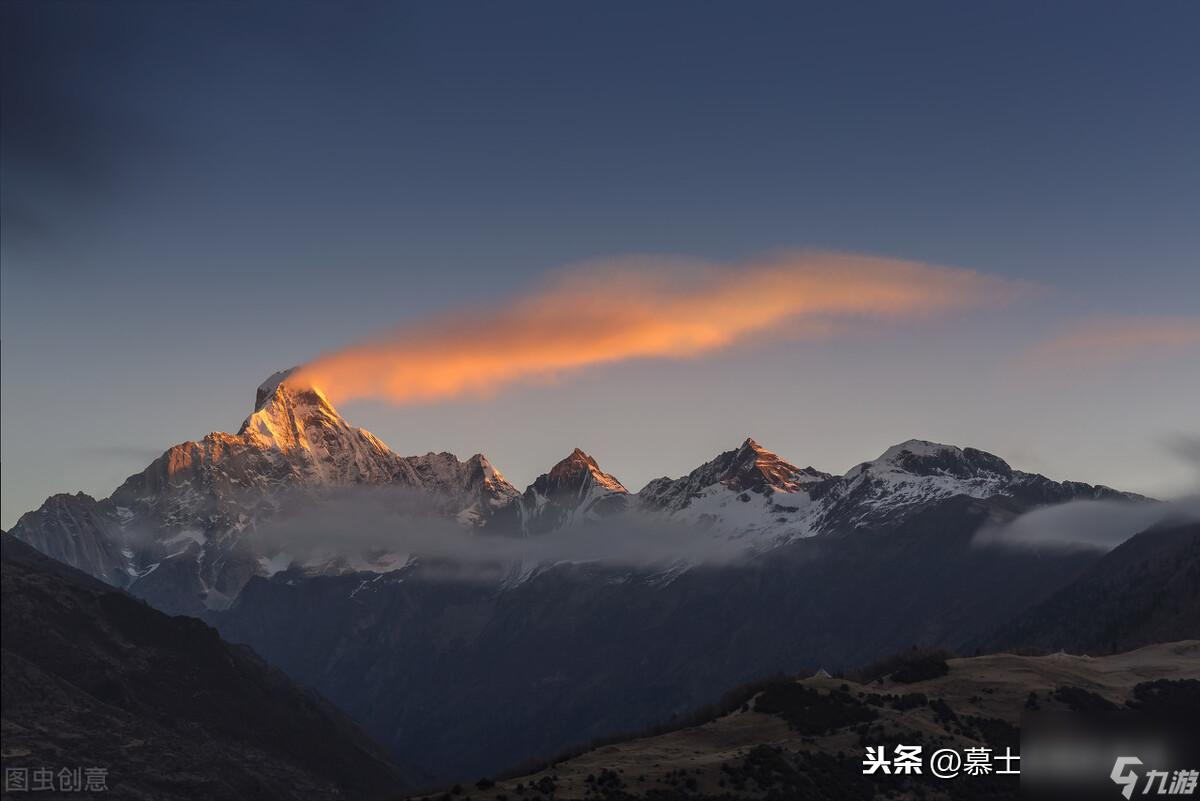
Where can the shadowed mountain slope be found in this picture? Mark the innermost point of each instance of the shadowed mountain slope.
(1145, 590)
(93, 677)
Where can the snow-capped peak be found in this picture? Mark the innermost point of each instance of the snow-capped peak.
(294, 450)
(573, 472)
(748, 468)
(291, 418)
(574, 490)
(299, 423)
(754, 467)
(747, 493)
(918, 457)
(918, 447)
(908, 475)
(267, 388)
(474, 487)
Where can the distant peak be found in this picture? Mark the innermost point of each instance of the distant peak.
(578, 465)
(447, 460)
(925, 458)
(753, 466)
(486, 468)
(575, 460)
(917, 447)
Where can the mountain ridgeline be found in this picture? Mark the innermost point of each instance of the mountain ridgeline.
(465, 675)
(181, 533)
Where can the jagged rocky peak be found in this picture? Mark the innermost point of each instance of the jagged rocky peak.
(749, 467)
(482, 471)
(920, 457)
(576, 472)
(574, 490)
(267, 388)
(748, 488)
(78, 530)
(446, 473)
(752, 466)
(290, 416)
(281, 392)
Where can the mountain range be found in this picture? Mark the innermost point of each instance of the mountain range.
(181, 533)
(468, 673)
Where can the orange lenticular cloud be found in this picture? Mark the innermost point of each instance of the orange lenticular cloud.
(638, 309)
(1105, 340)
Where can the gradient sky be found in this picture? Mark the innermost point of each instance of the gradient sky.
(196, 195)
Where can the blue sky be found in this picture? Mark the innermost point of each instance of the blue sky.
(196, 195)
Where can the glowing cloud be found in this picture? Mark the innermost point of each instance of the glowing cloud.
(637, 309)
(1100, 341)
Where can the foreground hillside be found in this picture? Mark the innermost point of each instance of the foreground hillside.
(95, 679)
(806, 739)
